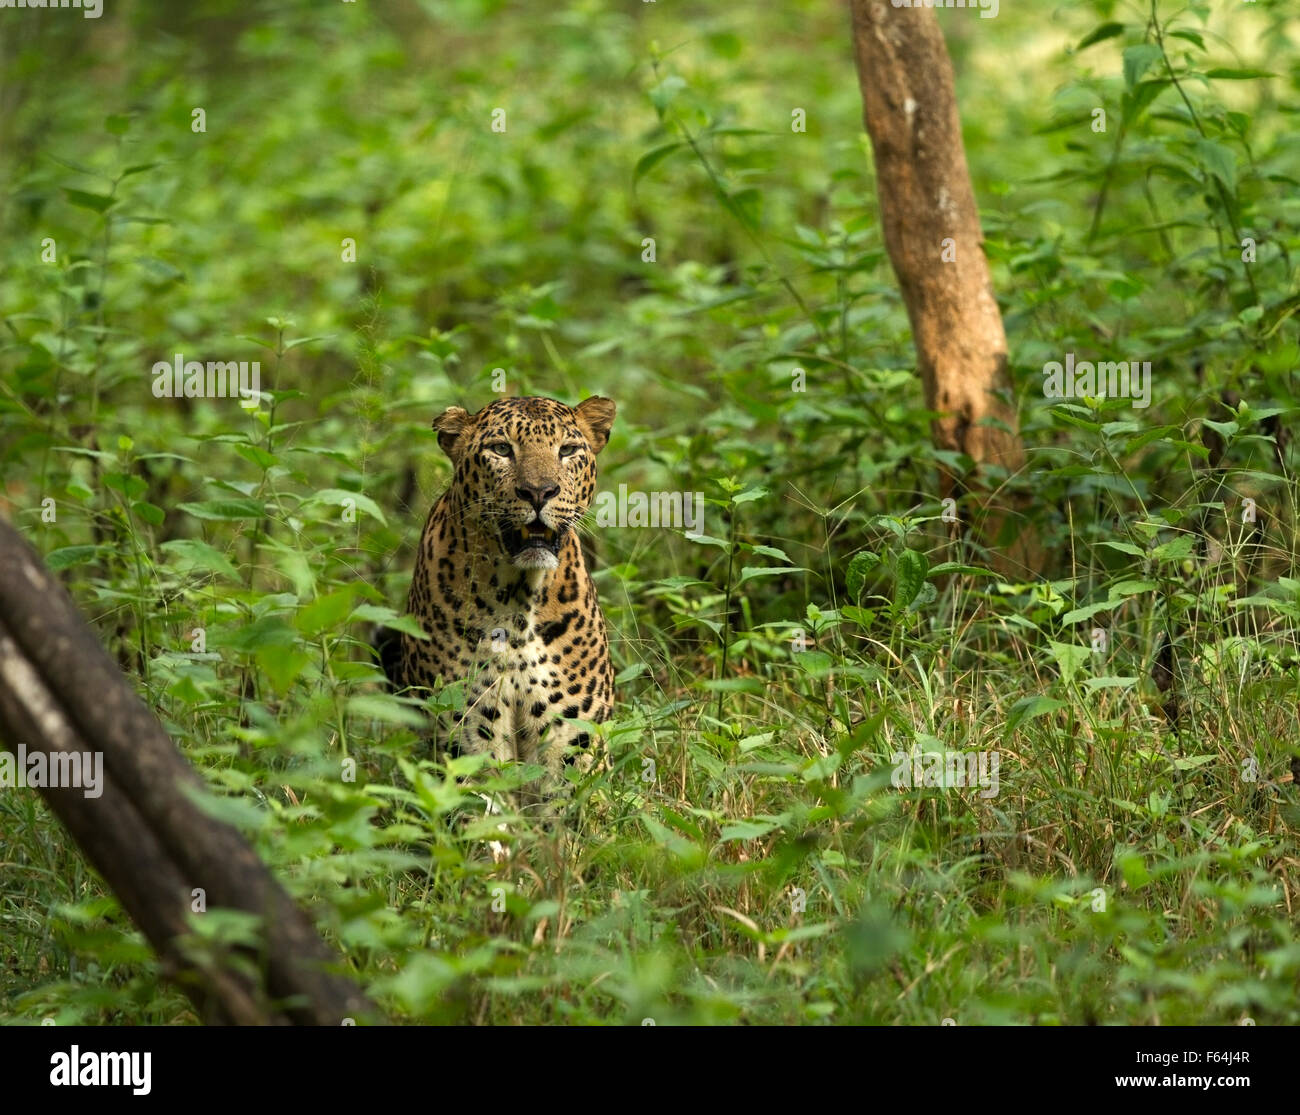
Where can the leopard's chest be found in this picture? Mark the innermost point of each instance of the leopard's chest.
(517, 665)
(512, 684)
(526, 652)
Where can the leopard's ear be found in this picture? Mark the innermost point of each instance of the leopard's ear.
(595, 417)
(450, 424)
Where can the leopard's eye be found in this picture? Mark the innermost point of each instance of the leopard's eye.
(569, 450)
(501, 448)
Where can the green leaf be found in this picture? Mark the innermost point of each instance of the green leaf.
(129, 485)
(653, 158)
(1061, 124)
(748, 830)
(1132, 588)
(628, 673)
(735, 685)
(1190, 36)
(1089, 611)
(856, 575)
(282, 665)
(192, 554)
(160, 271)
(678, 845)
(242, 813)
(374, 613)
(67, 556)
(100, 203)
(1224, 73)
(959, 568)
(80, 168)
(388, 710)
(294, 565)
(338, 496)
(326, 613)
(912, 569)
(750, 495)
(268, 632)
(928, 595)
(1219, 161)
(306, 340)
(257, 456)
(256, 341)
(751, 743)
(1137, 60)
(1092, 684)
(1068, 657)
(677, 582)
(1100, 34)
(225, 510)
(662, 95)
(1134, 869)
(863, 617)
(1126, 548)
(684, 824)
(1175, 550)
(1030, 707)
(749, 572)
(872, 938)
(708, 540)
(149, 512)
(1136, 101)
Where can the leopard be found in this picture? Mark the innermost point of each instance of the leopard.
(501, 588)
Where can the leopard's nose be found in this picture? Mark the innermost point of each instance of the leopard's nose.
(536, 494)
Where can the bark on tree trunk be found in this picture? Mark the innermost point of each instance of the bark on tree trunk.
(59, 693)
(933, 236)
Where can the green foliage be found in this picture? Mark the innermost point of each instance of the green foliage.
(748, 855)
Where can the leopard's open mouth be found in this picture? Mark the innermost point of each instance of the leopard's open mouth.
(531, 536)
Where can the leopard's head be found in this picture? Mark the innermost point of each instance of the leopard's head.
(525, 471)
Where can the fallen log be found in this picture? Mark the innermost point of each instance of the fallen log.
(61, 695)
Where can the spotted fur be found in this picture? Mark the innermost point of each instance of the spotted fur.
(502, 590)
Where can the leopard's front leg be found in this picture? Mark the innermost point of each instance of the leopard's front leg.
(564, 743)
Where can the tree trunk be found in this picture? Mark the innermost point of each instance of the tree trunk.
(60, 693)
(932, 233)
